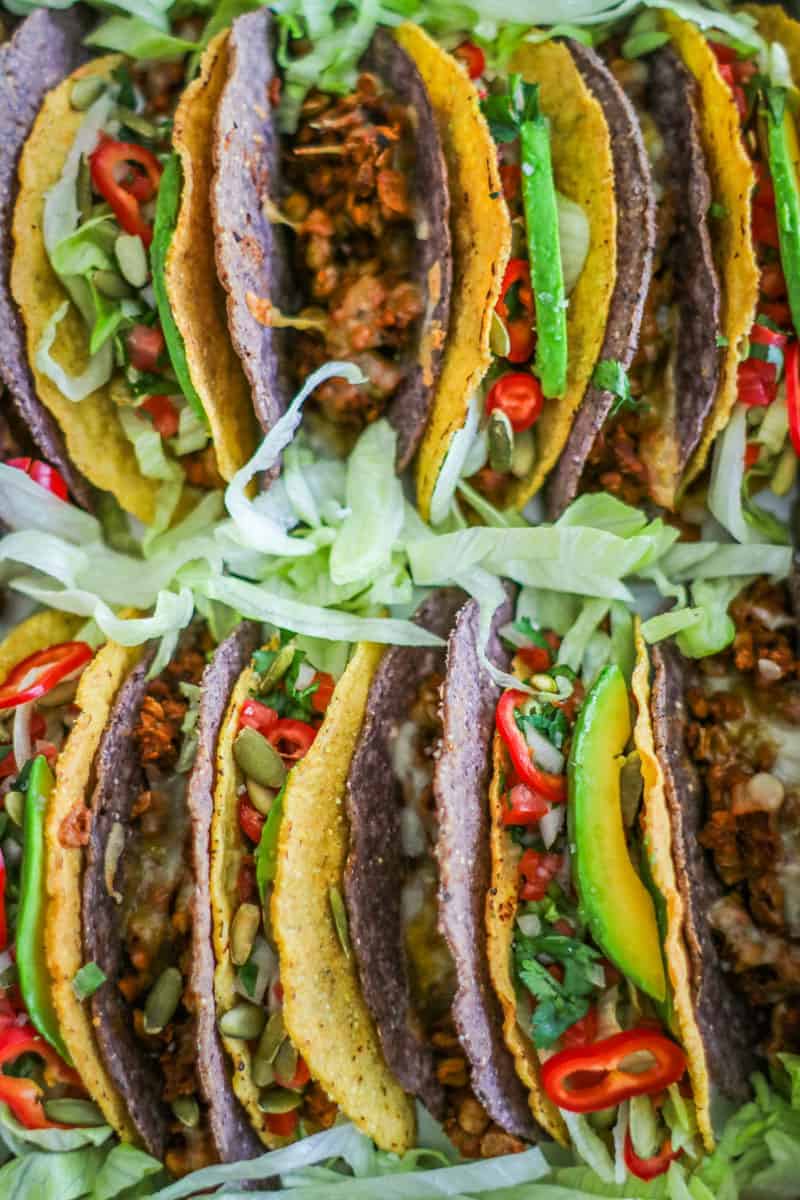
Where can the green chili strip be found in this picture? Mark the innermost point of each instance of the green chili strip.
(783, 156)
(34, 979)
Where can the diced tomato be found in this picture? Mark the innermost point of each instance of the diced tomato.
(722, 53)
(781, 314)
(521, 339)
(251, 821)
(764, 336)
(764, 194)
(8, 765)
(536, 658)
(299, 1079)
(292, 739)
(524, 806)
(773, 282)
(518, 271)
(145, 347)
(48, 750)
(751, 453)
(321, 698)
(756, 383)
(765, 227)
(472, 58)
(166, 420)
(511, 179)
(564, 927)
(612, 974)
(582, 1032)
(519, 395)
(3, 921)
(255, 715)
(282, 1124)
(536, 873)
(246, 885)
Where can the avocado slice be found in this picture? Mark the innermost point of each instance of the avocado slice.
(617, 905)
(784, 162)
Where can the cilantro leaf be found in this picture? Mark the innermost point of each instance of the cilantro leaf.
(611, 376)
(555, 1009)
(533, 633)
(550, 722)
(507, 111)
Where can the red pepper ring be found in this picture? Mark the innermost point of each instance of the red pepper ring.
(24, 1096)
(792, 365)
(655, 1165)
(615, 1084)
(552, 787)
(126, 195)
(56, 662)
(292, 739)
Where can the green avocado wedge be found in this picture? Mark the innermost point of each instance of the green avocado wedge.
(784, 158)
(615, 902)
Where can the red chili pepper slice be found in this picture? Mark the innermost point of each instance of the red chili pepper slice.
(601, 1081)
(521, 340)
(764, 336)
(524, 806)
(53, 665)
(24, 1096)
(43, 474)
(145, 346)
(536, 873)
(519, 395)
(472, 57)
(722, 53)
(164, 414)
(321, 698)
(511, 180)
(3, 918)
(292, 739)
(792, 365)
(517, 271)
(126, 175)
(552, 787)
(765, 226)
(282, 1124)
(256, 715)
(251, 821)
(751, 454)
(756, 383)
(649, 1168)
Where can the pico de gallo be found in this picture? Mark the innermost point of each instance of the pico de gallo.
(277, 725)
(38, 1083)
(123, 185)
(600, 1039)
(769, 375)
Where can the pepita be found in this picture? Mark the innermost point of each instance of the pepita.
(278, 667)
(137, 123)
(162, 1000)
(499, 340)
(244, 1021)
(279, 1100)
(501, 442)
(272, 1038)
(261, 798)
(339, 914)
(83, 188)
(244, 928)
(84, 92)
(285, 1062)
(132, 258)
(257, 759)
(73, 1112)
(15, 806)
(544, 683)
(785, 472)
(523, 455)
(187, 1110)
(262, 1071)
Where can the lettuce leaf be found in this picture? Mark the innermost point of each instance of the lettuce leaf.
(374, 498)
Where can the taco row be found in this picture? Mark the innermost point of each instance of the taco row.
(245, 898)
(596, 244)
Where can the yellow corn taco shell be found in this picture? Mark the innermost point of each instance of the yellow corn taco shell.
(657, 838)
(323, 1009)
(38, 632)
(481, 233)
(195, 294)
(732, 182)
(64, 944)
(38, 292)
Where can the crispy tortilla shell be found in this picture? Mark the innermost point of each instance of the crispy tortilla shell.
(195, 294)
(45, 47)
(324, 1011)
(481, 238)
(38, 293)
(38, 632)
(732, 182)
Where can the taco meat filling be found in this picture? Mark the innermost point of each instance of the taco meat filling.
(743, 737)
(350, 168)
(430, 965)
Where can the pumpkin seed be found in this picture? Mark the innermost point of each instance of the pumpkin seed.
(137, 123)
(279, 1100)
(285, 1061)
(73, 1112)
(84, 92)
(83, 186)
(269, 1044)
(132, 258)
(111, 285)
(187, 1110)
(523, 455)
(278, 667)
(499, 340)
(339, 914)
(785, 472)
(244, 928)
(544, 683)
(501, 442)
(257, 759)
(262, 1071)
(15, 806)
(244, 1021)
(261, 798)
(162, 1000)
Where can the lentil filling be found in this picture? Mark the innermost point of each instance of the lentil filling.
(349, 167)
(742, 737)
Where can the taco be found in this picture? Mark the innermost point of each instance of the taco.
(335, 244)
(726, 733)
(128, 897)
(40, 666)
(417, 874)
(43, 48)
(585, 940)
(300, 1045)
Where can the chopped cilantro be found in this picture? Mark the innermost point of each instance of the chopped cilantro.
(263, 660)
(506, 111)
(549, 721)
(287, 699)
(525, 626)
(611, 376)
(559, 1003)
(717, 210)
(248, 975)
(721, 340)
(87, 980)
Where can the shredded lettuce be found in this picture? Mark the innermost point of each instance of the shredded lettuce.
(139, 38)
(454, 462)
(374, 499)
(746, 521)
(74, 387)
